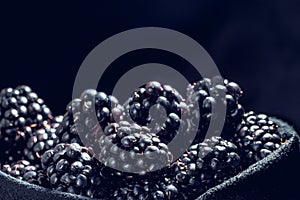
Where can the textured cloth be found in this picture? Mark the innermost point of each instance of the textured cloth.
(270, 178)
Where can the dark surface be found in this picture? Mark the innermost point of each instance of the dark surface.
(255, 43)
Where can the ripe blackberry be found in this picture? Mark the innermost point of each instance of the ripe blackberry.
(21, 112)
(157, 96)
(131, 147)
(79, 117)
(201, 92)
(205, 165)
(147, 189)
(23, 170)
(257, 137)
(42, 140)
(71, 168)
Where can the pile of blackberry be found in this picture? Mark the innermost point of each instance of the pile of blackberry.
(94, 148)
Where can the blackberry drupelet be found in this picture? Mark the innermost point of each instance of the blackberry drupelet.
(79, 117)
(21, 112)
(201, 92)
(131, 147)
(165, 100)
(71, 168)
(23, 170)
(42, 140)
(258, 137)
(205, 165)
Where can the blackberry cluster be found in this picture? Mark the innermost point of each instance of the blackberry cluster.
(128, 146)
(62, 153)
(165, 100)
(42, 140)
(203, 93)
(258, 137)
(21, 112)
(79, 117)
(23, 170)
(205, 165)
(71, 168)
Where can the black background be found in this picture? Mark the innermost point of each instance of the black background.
(255, 43)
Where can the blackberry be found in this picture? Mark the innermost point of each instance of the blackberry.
(165, 100)
(258, 137)
(21, 112)
(23, 170)
(130, 147)
(71, 168)
(147, 189)
(205, 165)
(203, 92)
(67, 130)
(42, 140)
(79, 117)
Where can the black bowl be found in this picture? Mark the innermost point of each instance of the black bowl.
(265, 179)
